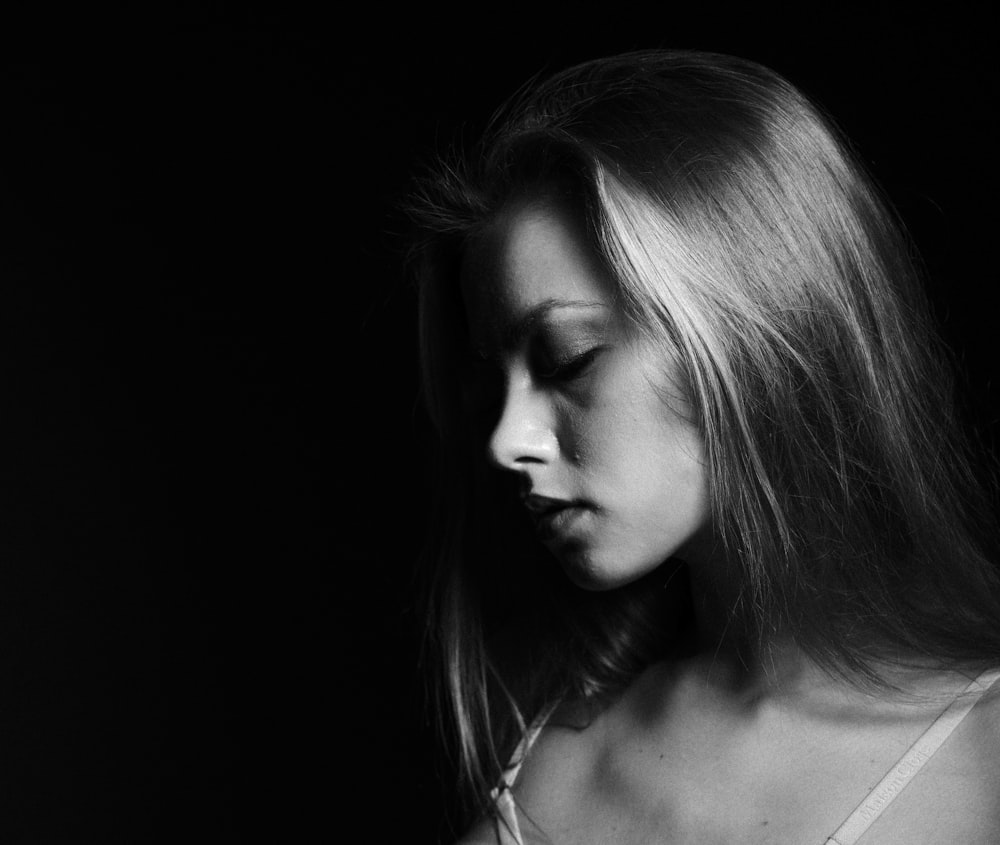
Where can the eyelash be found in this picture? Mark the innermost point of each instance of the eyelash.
(482, 379)
(572, 369)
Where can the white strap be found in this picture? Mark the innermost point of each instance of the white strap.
(524, 746)
(903, 772)
(508, 830)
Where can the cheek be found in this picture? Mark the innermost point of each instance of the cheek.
(631, 437)
(653, 455)
(588, 435)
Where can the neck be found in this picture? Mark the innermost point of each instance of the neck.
(711, 576)
(775, 663)
(728, 652)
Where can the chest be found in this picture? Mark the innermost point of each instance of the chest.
(781, 780)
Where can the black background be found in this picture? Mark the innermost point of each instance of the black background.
(210, 471)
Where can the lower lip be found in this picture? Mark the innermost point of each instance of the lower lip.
(558, 523)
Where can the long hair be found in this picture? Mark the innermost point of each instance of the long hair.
(745, 239)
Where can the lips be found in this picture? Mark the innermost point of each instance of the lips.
(553, 517)
(541, 505)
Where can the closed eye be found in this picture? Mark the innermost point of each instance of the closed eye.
(572, 368)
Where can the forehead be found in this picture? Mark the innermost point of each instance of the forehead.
(534, 257)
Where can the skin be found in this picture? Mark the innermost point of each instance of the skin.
(582, 411)
(699, 753)
(712, 749)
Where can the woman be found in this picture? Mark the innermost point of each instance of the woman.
(711, 556)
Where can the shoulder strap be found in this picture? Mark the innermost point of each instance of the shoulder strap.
(524, 746)
(912, 761)
(508, 829)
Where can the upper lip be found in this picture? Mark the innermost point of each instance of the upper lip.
(542, 505)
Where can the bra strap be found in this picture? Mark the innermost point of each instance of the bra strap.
(508, 829)
(524, 746)
(904, 771)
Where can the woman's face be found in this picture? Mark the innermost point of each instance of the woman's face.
(590, 420)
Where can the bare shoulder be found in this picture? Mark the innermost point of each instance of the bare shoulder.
(551, 777)
(560, 755)
(956, 796)
(983, 740)
(978, 745)
(555, 776)
(989, 704)
(567, 767)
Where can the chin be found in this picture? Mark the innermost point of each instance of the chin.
(597, 576)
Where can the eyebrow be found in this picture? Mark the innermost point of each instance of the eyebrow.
(526, 323)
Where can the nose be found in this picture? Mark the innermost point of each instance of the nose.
(525, 433)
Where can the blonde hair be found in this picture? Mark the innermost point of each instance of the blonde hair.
(746, 239)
